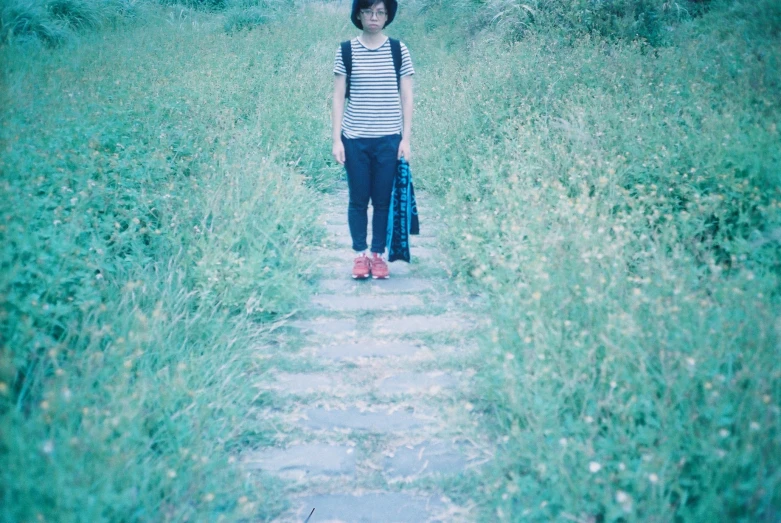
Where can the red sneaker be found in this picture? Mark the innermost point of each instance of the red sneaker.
(362, 267)
(379, 268)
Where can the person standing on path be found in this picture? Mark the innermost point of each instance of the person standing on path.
(373, 132)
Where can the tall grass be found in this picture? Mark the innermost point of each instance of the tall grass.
(653, 21)
(620, 208)
(54, 22)
(152, 230)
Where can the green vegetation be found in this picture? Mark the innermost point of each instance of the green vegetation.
(54, 23)
(620, 207)
(152, 223)
(610, 172)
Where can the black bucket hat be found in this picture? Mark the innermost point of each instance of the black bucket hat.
(390, 5)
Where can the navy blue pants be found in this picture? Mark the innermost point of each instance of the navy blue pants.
(371, 168)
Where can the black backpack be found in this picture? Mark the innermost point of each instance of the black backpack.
(347, 58)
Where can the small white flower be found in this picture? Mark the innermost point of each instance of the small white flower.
(594, 467)
(47, 447)
(622, 497)
(653, 478)
(754, 426)
(563, 442)
(724, 433)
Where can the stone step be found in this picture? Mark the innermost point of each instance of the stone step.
(332, 327)
(332, 253)
(401, 325)
(335, 268)
(416, 383)
(424, 459)
(336, 302)
(303, 461)
(385, 419)
(345, 383)
(367, 349)
(373, 507)
(300, 383)
(398, 284)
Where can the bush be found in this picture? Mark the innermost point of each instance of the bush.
(648, 20)
(75, 13)
(21, 20)
(253, 8)
(204, 5)
(241, 19)
(57, 21)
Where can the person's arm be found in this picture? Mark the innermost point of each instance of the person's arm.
(406, 115)
(337, 112)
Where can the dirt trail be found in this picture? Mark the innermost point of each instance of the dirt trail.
(374, 407)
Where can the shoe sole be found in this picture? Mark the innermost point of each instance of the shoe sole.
(361, 277)
(381, 277)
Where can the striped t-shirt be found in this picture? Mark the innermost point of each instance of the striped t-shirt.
(374, 106)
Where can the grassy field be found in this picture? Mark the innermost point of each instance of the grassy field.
(620, 206)
(154, 208)
(617, 202)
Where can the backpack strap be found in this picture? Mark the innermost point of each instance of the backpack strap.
(347, 59)
(396, 53)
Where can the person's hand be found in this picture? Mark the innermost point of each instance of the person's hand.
(404, 150)
(338, 151)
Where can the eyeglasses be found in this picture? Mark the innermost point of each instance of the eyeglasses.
(368, 13)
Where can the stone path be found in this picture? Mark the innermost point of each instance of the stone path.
(373, 410)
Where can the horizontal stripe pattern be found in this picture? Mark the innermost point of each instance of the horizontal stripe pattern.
(374, 106)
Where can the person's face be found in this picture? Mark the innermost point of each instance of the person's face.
(374, 18)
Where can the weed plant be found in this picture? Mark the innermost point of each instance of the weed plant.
(153, 216)
(620, 207)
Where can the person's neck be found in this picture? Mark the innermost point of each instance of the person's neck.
(372, 41)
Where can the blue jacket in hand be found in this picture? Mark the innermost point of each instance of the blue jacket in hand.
(403, 218)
